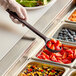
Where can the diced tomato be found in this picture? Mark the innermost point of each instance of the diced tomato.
(29, 69)
(66, 61)
(64, 55)
(69, 51)
(52, 47)
(53, 71)
(53, 41)
(41, 70)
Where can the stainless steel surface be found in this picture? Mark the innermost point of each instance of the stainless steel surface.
(52, 17)
(16, 53)
(38, 50)
(68, 15)
(17, 66)
(64, 25)
(29, 61)
(72, 72)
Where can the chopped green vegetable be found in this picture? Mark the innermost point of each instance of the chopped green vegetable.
(32, 3)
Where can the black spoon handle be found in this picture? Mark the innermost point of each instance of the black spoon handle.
(28, 25)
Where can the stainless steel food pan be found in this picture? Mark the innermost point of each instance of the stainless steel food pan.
(72, 72)
(69, 14)
(38, 51)
(42, 63)
(67, 26)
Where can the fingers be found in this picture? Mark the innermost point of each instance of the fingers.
(24, 13)
(20, 14)
(14, 20)
(20, 10)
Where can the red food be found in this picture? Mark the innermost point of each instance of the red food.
(57, 48)
(52, 47)
(66, 61)
(44, 54)
(41, 70)
(57, 54)
(49, 44)
(69, 51)
(58, 43)
(53, 41)
(71, 56)
(47, 52)
(29, 69)
(39, 57)
(53, 58)
(65, 56)
(75, 53)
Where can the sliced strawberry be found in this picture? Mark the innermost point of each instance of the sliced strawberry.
(62, 51)
(57, 48)
(64, 55)
(71, 56)
(53, 41)
(59, 58)
(69, 51)
(75, 53)
(49, 44)
(53, 58)
(39, 57)
(70, 59)
(66, 61)
(57, 54)
(47, 52)
(59, 61)
(43, 57)
(44, 54)
(52, 47)
(58, 43)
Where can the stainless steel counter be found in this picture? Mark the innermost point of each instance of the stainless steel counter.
(50, 19)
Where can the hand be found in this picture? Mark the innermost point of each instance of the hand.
(15, 7)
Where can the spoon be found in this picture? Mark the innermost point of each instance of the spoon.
(34, 30)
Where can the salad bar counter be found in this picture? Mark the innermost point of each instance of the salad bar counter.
(38, 61)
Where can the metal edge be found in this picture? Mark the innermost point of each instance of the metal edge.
(20, 56)
(31, 60)
(71, 71)
(40, 46)
(68, 15)
(61, 26)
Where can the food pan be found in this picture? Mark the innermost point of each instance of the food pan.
(68, 45)
(74, 66)
(66, 32)
(72, 72)
(41, 65)
(71, 16)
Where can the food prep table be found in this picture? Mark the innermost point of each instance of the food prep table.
(26, 49)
